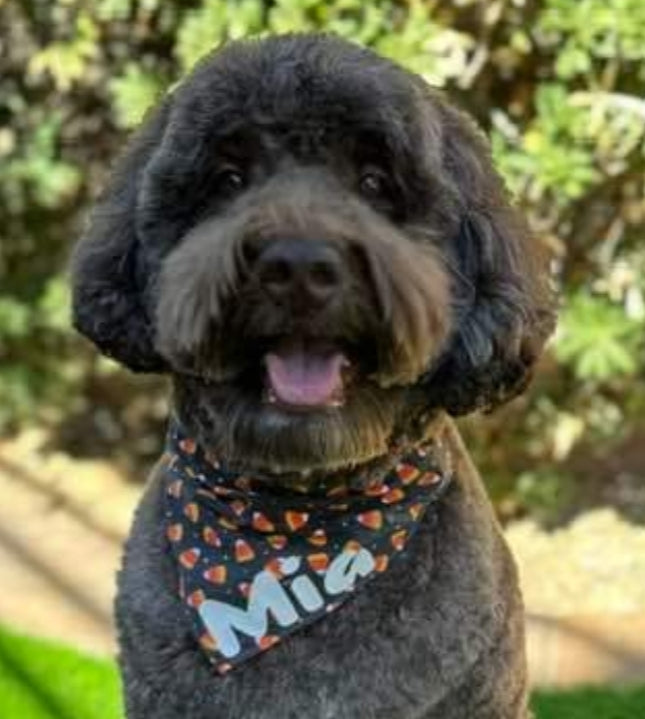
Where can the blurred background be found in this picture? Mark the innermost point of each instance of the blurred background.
(558, 85)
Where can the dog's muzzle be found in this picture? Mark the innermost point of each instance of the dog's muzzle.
(302, 278)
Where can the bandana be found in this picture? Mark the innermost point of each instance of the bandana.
(256, 563)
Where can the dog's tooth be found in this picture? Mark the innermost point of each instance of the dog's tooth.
(337, 399)
(270, 396)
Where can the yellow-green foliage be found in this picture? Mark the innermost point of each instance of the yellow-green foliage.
(557, 84)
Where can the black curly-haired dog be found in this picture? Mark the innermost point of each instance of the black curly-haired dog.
(317, 249)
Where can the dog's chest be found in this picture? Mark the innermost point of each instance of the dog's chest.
(399, 649)
(371, 657)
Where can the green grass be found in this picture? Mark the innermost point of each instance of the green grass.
(591, 704)
(43, 680)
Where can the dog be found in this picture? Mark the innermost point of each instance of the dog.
(314, 245)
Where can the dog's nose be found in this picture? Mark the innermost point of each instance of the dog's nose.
(310, 269)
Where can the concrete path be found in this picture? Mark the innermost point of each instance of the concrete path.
(62, 525)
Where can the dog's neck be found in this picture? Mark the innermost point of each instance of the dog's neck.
(321, 482)
(418, 426)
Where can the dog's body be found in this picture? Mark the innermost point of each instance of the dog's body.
(318, 251)
(439, 637)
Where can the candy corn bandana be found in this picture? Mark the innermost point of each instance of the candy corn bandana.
(256, 563)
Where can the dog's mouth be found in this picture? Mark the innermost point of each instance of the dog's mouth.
(306, 376)
(292, 402)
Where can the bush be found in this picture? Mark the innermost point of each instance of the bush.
(557, 84)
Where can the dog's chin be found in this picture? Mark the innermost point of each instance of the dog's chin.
(291, 419)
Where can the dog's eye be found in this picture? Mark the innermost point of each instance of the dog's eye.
(373, 184)
(231, 180)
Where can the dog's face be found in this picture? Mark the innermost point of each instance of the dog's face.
(318, 250)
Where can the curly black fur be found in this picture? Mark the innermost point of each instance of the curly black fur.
(444, 291)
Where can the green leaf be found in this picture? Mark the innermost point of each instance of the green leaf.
(15, 318)
(133, 93)
(54, 305)
(204, 29)
(597, 339)
(67, 61)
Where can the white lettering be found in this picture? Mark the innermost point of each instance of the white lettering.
(266, 595)
(307, 593)
(346, 568)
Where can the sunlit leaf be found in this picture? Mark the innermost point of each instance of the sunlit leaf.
(597, 339)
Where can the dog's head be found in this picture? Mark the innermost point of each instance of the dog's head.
(318, 250)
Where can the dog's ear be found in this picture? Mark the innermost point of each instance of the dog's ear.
(503, 303)
(107, 276)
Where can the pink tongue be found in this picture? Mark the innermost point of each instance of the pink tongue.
(301, 378)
